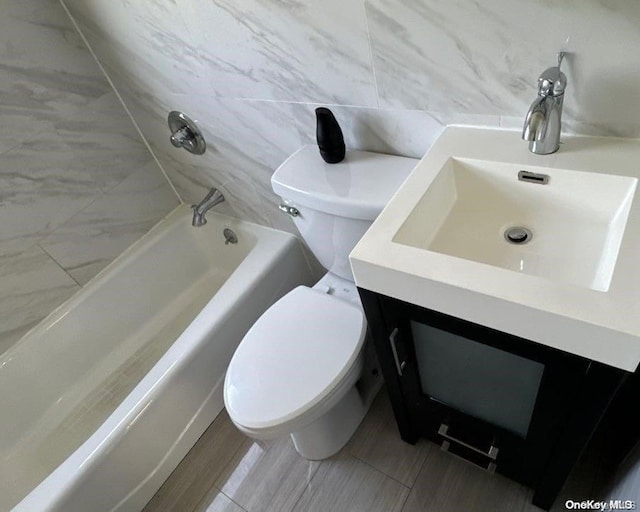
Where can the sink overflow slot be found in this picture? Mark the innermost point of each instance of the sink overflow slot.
(533, 177)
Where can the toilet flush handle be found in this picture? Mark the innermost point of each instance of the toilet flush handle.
(289, 210)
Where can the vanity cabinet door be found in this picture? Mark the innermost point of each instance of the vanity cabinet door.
(477, 389)
(481, 391)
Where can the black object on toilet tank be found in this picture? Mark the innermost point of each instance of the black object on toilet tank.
(329, 136)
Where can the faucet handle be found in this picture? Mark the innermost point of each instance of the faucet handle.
(552, 81)
(185, 133)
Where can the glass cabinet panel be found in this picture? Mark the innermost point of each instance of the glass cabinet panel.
(479, 380)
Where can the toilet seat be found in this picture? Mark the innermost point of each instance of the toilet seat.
(293, 360)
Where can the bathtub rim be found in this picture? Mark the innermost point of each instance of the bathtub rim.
(144, 241)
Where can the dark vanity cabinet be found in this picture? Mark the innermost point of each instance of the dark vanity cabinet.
(504, 403)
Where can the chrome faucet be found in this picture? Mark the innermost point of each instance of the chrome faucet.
(213, 198)
(543, 122)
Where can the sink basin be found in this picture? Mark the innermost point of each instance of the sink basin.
(573, 224)
(574, 285)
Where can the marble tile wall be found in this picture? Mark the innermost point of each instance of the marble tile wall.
(394, 72)
(77, 183)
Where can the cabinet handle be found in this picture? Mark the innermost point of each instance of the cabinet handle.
(491, 465)
(444, 432)
(392, 340)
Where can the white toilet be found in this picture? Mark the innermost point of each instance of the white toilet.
(302, 369)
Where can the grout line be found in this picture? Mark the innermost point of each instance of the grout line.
(202, 502)
(233, 501)
(373, 63)
(115, 90)
(307, 485)
(59, 265)
(406, 499)
(378, 470)
(433, 446)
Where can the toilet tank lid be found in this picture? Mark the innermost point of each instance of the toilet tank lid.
(359, 187)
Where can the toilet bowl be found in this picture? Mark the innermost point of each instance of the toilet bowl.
(296, 370)
(305, 368)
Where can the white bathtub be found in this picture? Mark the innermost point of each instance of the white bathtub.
(101, 401)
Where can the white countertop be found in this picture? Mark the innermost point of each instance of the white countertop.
(598, 325)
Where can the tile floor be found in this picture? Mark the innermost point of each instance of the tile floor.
(375, 472)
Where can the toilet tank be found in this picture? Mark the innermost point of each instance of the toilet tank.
(338, 202)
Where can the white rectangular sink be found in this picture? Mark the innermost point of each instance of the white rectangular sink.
(575, 285)
(573, 224)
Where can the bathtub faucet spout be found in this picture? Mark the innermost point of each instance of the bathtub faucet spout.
(213, 198)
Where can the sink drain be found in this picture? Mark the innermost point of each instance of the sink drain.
(517, 235)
